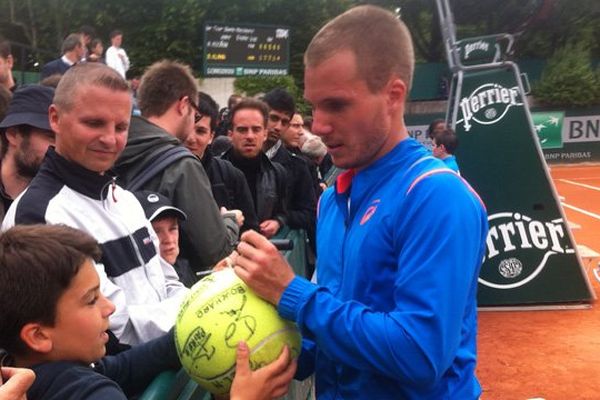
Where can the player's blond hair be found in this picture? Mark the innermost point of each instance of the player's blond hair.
(379, 40)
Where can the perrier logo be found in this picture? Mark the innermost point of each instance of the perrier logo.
(519, 248)
(488, 104)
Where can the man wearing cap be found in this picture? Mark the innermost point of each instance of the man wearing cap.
(165, 220)
(25, 134)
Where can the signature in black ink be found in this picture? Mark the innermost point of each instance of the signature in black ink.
(242, 327)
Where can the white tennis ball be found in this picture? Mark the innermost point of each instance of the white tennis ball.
(218, 313)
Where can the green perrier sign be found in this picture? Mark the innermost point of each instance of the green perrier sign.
(530, 253)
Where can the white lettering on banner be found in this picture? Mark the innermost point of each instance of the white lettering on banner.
(511, 233)
(488, 104)
(581, 129)
(479, 45)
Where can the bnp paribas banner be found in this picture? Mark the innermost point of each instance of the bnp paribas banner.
(569, 136)
(531, 256)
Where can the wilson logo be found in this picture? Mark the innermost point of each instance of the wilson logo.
(488, 104)
(518, 248)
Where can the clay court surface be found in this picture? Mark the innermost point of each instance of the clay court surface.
(551, 355)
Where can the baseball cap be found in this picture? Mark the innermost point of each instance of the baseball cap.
(155, 205)
(29, 106)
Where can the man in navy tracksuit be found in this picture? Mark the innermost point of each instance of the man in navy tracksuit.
(400, 236)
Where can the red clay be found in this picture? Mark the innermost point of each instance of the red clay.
(553, 355)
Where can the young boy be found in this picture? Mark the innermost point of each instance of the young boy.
(54, 320)
(165, 220)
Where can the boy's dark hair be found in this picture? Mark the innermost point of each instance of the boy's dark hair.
(280, 100)
(447, 138)
(209, 107)
(251, 104)
(37, 265)
(114, 33)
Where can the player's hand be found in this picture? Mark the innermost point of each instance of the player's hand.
(268, 382)
(262, 267)
(269, 227)
(14, 383)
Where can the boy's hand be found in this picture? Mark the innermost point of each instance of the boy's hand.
(267, 382)
(14, 383)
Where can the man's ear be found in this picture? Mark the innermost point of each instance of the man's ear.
(397, 93)
(181, 106)
(10, 61)
(37, 337)
(12, 136)
(53, 117)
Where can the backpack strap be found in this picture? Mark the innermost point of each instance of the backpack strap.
(158, 164)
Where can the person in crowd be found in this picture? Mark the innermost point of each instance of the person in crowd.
(5, 96)
(87, 33)
(315, 150)
(436, 126)
(90, 116)
(7, 80)
(72, 51)
(266, 179)
(224, 117)
(167, 99)
(228, 184)
(292, 136)
(96, 49)
(25, 134)
(444, 146)
(165, 221)
(53, 328)
(301, 197)
(116, 56)
(394, 313)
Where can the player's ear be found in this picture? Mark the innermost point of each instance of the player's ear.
(396, 91)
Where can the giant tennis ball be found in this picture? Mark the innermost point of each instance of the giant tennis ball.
(216, 315)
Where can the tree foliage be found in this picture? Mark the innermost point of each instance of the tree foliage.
(157, 29)
(569, 79)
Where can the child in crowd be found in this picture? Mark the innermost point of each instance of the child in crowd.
(444, 146)
(165, 220)
(54, 320)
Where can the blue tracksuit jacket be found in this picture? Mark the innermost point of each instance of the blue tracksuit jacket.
(394, 314)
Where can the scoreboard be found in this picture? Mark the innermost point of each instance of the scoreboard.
(244, 49)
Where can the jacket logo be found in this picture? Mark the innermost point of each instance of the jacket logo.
(518, 248)
(370, 212)
(488, 104)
